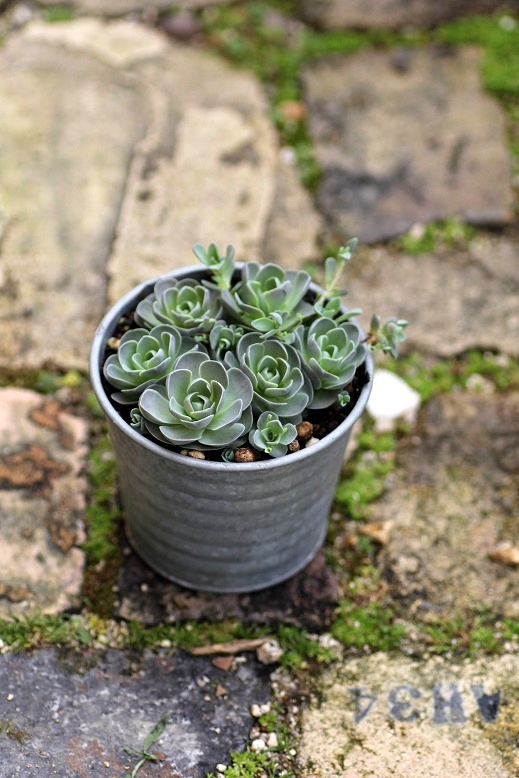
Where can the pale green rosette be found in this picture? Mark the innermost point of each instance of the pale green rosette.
(269, 299)
(203, 405)
(330, 354)
(274, 370)
(143, 358)
(186, 304)
(271, 435)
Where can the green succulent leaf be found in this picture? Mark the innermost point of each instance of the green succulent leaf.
(224, 337)
(137, 421)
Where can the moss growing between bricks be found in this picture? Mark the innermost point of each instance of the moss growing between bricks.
(103, 522)
(431, 238)
(269, 39)
(430, 377)
(365, 476)
(370, 628)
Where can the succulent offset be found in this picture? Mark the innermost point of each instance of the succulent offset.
(271, 435)
(239, 355)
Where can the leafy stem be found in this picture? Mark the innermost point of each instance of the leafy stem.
(333, 270)
(150, 739)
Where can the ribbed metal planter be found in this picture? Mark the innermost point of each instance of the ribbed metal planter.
(221, 527)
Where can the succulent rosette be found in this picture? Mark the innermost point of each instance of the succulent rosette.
(330, 355)
(202, 405)
(271, 435)
(224, 337)
(274, 370)
(143, 358)
(269, 299)
(186, 304)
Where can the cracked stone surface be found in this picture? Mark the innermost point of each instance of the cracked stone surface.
(383, 717)
(455, 497)
(72, 713)
(343, 14)
(397, 148)
(449, 299)
(42, 503)
(78, 200)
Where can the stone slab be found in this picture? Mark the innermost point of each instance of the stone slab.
(398, 147)
(294, 225)
(380, 717)
(308, 599)
(42, 501)
(63, 173)
(344, 14)
(454, 498)
(86, 212)
(71, 714)
(454, 301)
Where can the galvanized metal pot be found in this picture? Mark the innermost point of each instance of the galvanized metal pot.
(221, 527)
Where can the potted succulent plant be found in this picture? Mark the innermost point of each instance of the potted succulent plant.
(230, 392)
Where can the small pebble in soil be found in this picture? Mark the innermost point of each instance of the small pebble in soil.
(259, 710)
(258, 745)
(244, 455)
(312, 442)
(272, 740)
(293, 447)
(187, 452)
(305, 430)
(269, 653)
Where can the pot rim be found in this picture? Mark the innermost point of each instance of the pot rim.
(102, 334)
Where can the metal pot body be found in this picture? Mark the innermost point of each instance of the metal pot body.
(221, 527)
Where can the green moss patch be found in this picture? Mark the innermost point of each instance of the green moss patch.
(103, 524)
(370, 628)
(10, 730)
(59, 13)
(447, 234)
(430, 377)
(364, 477)
(499, 38)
